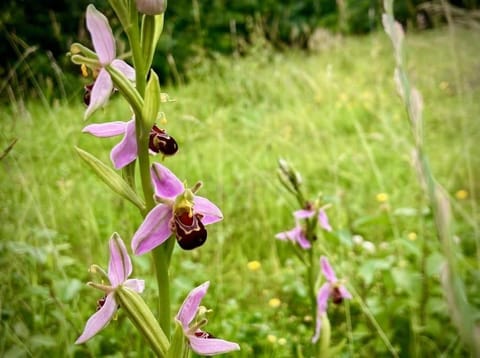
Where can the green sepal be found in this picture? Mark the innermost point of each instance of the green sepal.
(126, 88)
(77, 48)
(325, 335)
(152, 27)
(143, 319)
(111, 178)
(151, 104)
(82, 60)
(178, 345)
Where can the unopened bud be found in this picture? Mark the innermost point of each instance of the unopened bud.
(151, 7)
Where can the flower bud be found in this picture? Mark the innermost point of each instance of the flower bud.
(151, 7)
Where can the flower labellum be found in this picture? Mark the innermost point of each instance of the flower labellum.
(160, 141)
(151, 7)
(200, 342)
(189, 230)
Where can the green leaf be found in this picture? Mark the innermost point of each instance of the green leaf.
(152, 27)
(111, 178)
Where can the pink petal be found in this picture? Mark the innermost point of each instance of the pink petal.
(323, 220)
(154, 230)
(120, 265)
(125, 152)
(301, 239)
(124, 68)
(303, 214)
(190, 306)
(109, 129)
(283, 235)
(344, 292)
(211, 213)
(322, 302)
(101, 91)
(166, 184)
(102, 36)
(211, 346)
(135, 285)
(327, 270)
(98, 320)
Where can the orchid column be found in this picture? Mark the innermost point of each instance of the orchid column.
(171, 210)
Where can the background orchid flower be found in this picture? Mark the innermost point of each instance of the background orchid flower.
(297, 234)
(104, 45)
(321, 217)
(200, 342)
(119, 269)
(179, 212)
(332, 288)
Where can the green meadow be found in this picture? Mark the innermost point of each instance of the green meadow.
(336, 117)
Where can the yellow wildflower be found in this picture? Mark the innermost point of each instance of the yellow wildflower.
(271, 338)
(412, 236)
(382, 197)
(254, 265)
(461, 194)
(274, 302)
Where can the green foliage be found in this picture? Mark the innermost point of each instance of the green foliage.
(335, 118)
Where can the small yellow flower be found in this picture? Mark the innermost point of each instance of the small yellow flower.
(461, 194)
(412, 236)
(272, 339)
(382, 197)
(307, 318)
(274, 302)
(282, 341)
(444, 85)
(254, 265)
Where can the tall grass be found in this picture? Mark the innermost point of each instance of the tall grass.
(333, 116)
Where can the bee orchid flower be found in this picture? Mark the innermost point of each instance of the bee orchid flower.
(104, 46)
(125, 151)
(179, 211)
(119, 269)
(333, 289)
(200, 341)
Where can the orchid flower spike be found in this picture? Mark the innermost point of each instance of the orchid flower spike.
(179, 211)
(119, 269)
(330, 289)
(104, 45)
(125, 151)
(200, 341)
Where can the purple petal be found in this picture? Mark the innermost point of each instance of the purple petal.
(154, 230)
(189, 308)
(322, 301)
(125, 152)
(109, 129)
(102, 36)
(211, 346)
(323, 220)
(211, 213)
(135, 285)
(285, 235)
(327, 270)
(120, 265)
(344, 292)
(302, 214)
(101, 91)
(98, 320)
(124, 68)
(301, 239)
(166, 184)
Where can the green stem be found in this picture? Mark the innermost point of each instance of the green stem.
(161, 260)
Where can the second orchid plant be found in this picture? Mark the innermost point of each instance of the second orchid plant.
(172, 212)
(303, 238)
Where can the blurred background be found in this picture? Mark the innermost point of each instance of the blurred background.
(36, 35)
